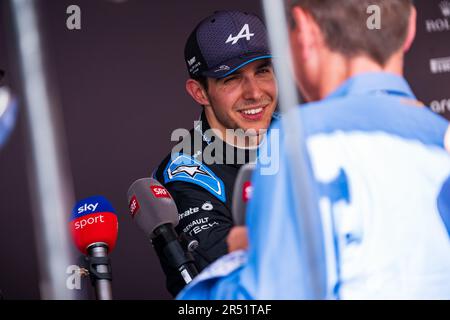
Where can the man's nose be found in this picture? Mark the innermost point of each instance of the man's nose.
(251, 89)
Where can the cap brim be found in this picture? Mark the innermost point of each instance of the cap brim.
(232, 65)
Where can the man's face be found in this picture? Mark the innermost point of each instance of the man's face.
(308, 54)
(304, 69)
(245, 99)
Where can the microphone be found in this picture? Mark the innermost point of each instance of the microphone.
(242, 193)
(155, 212)
(94, 230)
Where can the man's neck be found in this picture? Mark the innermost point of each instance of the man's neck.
(342, 69)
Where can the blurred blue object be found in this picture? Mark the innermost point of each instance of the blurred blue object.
(8, 114)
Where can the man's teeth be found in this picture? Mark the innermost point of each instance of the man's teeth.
(253, 111)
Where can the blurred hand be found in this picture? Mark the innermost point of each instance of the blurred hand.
(237, 239)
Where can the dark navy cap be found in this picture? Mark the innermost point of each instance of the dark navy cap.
(225, 42)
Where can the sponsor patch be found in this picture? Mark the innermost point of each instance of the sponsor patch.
(187, 169)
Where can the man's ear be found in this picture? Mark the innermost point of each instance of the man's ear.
(197, 92)
(411, 30)
(305, 30)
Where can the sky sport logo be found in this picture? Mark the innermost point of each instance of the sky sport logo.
(89, 221)
(440, 65)
(440, 24)
(88, 207)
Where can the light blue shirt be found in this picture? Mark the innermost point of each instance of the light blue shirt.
(382, 179)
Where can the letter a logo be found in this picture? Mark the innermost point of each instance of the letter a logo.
(73, 22)
(244, 33)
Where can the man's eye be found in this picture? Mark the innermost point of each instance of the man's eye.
(229, 79)
(264, 70)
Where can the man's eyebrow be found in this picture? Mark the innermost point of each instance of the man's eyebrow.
(263, 64)
(237, 72)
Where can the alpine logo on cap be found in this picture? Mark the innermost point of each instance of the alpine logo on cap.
(244, 33)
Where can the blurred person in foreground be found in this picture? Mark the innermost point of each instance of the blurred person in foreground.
(380, 165)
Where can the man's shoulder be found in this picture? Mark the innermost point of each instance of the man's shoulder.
(186, 141)
(369, 114)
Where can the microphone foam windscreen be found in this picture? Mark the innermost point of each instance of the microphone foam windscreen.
(151, 205)
(94, 220)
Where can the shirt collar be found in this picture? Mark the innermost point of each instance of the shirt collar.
(374, 83)
(249, 154)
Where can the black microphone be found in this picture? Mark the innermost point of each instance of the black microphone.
(155, 212)
(242, 193)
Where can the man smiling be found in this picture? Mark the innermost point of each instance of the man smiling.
(231, 77)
